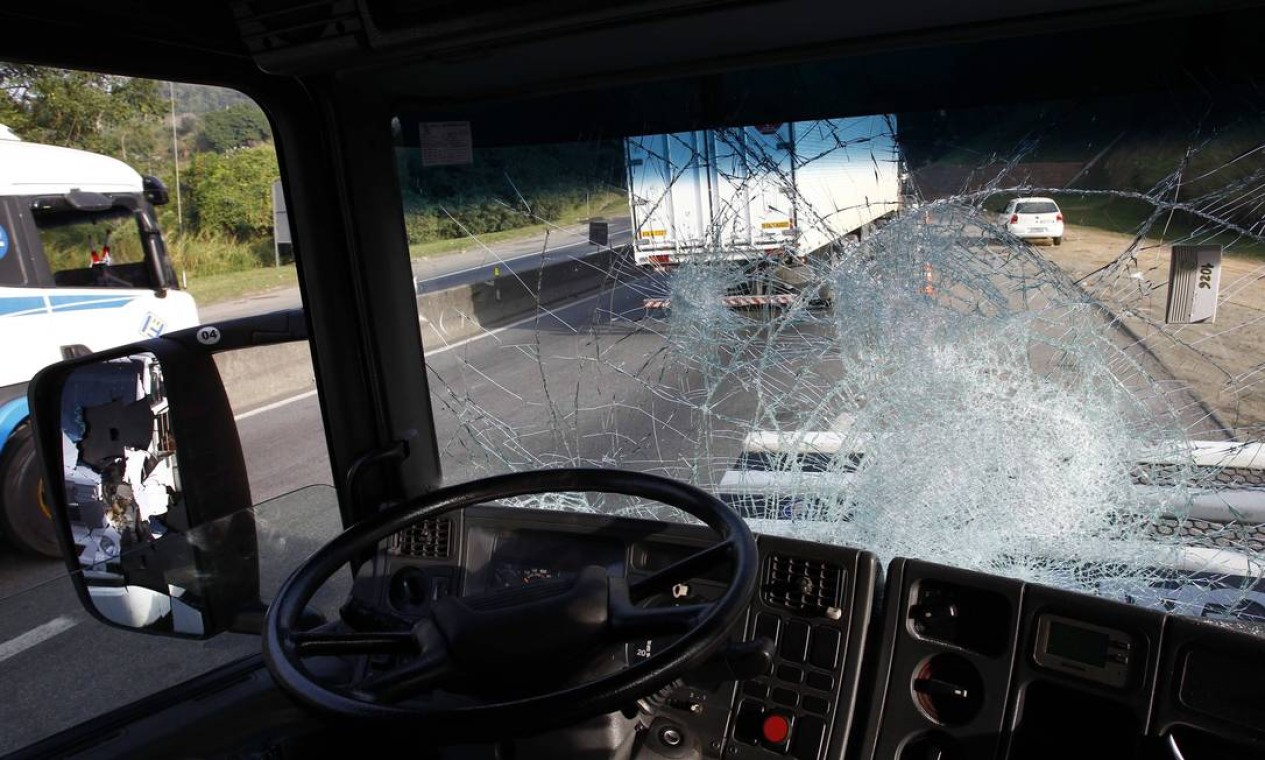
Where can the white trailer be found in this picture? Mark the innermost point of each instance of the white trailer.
(761, 192)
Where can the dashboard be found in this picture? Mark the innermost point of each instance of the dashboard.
(913, 661)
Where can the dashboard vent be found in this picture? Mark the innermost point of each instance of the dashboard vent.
(802, 585)
(427, 539)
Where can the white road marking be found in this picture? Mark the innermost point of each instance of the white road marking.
(37, 635)
(432, 352)
(274, 405)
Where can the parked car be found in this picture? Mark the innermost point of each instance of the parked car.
(1034, 218)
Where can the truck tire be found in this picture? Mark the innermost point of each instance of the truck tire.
(1058, 240)
(24, 516)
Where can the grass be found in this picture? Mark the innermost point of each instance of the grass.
(1127, 215)
(214, 288)
(612, 204)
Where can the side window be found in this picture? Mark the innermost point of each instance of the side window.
(99, 249)
(11, 270)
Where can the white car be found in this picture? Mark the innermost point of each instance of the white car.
(1030, 218)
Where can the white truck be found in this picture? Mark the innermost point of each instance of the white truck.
(83, 267)
(762, 194)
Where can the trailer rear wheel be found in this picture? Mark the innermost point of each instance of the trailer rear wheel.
(24, 513)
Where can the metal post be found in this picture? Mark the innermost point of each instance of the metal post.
(175, 158)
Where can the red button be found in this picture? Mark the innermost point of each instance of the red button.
(776, 728)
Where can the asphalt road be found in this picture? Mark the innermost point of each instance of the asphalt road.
(476, 263)
(62, 667)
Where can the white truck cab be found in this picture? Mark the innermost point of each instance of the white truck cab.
(83, 267)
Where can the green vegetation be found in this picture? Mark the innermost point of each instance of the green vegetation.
(239, 126)
(505, 188)
(231, 193)
(214, 288)
(604, 204)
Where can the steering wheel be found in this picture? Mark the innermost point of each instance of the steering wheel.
(476, 641)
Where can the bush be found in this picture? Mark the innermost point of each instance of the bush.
(231, 193)
(210, 252)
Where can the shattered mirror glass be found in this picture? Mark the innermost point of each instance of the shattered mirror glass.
(1022, 340)
(122, 482)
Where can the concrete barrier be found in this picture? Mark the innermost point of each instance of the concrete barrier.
(255, 376)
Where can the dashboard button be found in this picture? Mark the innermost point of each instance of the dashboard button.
(747, 723)
(776, 731)
(808, 735)
(789, 674)
(440, 588)
(767, 625)
(824, 651)
(786, 697)
(755, 689)
(816, 705)
(795, 641)
(819, 681)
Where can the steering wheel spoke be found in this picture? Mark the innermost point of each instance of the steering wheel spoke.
(637, 622)
(681, 570)
(424, 673)
(337, 643)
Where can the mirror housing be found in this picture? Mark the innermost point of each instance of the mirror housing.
(144, 475)
(155, 190)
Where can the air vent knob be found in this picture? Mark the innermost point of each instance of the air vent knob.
(948, 689)
(938, 620)
(804, 585)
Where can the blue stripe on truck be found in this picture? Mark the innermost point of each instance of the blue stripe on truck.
(13, 413)
(79, 303)
(22, 305)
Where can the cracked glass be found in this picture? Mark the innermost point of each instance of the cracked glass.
(1021, 340)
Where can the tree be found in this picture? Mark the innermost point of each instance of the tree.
(80, 109)
(238, 126)
(232, 192)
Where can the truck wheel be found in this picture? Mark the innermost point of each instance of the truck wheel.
(24, 515)
(1058, 240)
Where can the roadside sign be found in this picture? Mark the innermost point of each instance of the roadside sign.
(281, 238)
(1194, 280)
(599, 232)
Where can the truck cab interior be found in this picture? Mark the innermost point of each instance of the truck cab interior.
(496, 611)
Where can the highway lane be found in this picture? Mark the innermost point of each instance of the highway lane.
(476, 263)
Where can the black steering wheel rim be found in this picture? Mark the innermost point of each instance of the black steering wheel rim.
(567, 705)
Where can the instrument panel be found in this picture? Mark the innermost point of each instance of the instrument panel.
(954, 664)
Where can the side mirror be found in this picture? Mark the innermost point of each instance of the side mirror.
(145, 478)
(155, 190)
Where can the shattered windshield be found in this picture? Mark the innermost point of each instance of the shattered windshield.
(844, 328)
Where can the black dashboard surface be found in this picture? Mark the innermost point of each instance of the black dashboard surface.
(934, 663)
